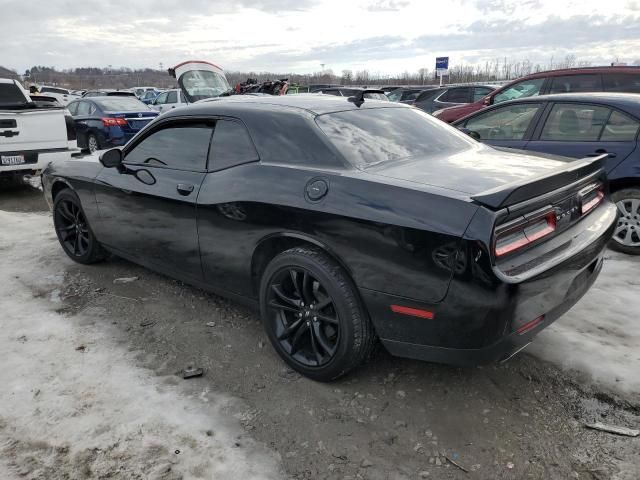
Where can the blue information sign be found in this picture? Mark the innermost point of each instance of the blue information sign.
(442, 63)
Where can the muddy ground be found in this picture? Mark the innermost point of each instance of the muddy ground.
(392, 419)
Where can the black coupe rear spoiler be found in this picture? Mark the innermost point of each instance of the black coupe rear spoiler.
(526, 189)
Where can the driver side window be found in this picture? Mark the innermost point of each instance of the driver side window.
(505, 123)
(526, 88)
(179, 147)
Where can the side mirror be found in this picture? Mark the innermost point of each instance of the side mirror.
(472, 133)
(111, 158)
(488, 101)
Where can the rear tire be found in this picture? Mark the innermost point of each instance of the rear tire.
(626, 238)
(313, 315)
(73, 230)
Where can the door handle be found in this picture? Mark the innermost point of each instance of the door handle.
(601, 151)
(184, 189)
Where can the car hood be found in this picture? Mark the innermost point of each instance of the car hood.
(471, 171)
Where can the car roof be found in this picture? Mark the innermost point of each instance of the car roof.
(314, 104)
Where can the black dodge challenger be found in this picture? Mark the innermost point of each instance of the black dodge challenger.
(346, 221)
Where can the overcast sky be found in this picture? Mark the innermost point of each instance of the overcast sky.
(386, 36)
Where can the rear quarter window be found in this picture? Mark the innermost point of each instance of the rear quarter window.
(231, 145)
(621, 82)
(576, 83)
(620, 128)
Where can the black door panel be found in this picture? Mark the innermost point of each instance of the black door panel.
(143, 213)
(148, 205)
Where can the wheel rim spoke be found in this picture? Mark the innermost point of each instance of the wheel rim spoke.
(291, 329)
(296, 283)
(314, 346)
(322, 340)
(325, 318)
(281, 306)
(65, 212)
(282, 296)
(297, 336)
(324, 303)
(307, 288)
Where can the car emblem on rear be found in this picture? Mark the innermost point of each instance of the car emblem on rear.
(139, 115)
(566, 211)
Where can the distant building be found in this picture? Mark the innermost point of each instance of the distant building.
(6, 73)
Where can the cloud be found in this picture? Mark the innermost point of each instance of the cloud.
(387, 6)
(298, 35)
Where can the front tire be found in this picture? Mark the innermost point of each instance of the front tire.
(73, 230)
(313, 315)
(626, 237)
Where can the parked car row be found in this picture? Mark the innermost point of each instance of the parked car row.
(571, 80)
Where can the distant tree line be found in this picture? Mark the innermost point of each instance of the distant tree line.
(123, 77)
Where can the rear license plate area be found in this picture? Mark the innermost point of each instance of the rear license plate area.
(12, 159)
(138, 124)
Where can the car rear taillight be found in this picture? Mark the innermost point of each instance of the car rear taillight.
(113, 122)
(514, 236)
(591, 199)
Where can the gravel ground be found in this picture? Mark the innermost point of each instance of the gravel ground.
(392, 419)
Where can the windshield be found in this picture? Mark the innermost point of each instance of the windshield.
(374, 136)
(122, 104)
(201, 84)
(527, 88)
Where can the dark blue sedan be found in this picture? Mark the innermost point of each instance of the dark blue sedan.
(103, 122)
(576, 125)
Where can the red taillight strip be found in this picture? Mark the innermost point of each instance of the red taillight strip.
(414, 312)
(593, 203)
(550, 228)
(113, 122)
(512, 247)
(549, 216)
(530, 325)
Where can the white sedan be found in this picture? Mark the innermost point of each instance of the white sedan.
(169, 99)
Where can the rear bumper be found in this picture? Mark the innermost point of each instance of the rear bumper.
(482, 320)
(506, 346)
(44, 158)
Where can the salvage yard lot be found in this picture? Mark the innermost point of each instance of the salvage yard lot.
(93, 385)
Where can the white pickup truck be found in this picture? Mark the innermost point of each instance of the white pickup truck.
(31, 135)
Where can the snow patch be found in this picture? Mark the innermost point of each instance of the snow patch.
(90, 412)
(600, 336)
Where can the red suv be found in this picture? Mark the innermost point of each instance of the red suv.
(589, 79)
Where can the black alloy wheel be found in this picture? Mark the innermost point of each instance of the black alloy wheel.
(313, 315)
(73, 230)
(304, 317)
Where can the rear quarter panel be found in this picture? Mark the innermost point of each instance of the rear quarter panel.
(389, 237)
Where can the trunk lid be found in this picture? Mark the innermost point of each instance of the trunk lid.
(488, 175)
(135, 120)
(199, 79)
